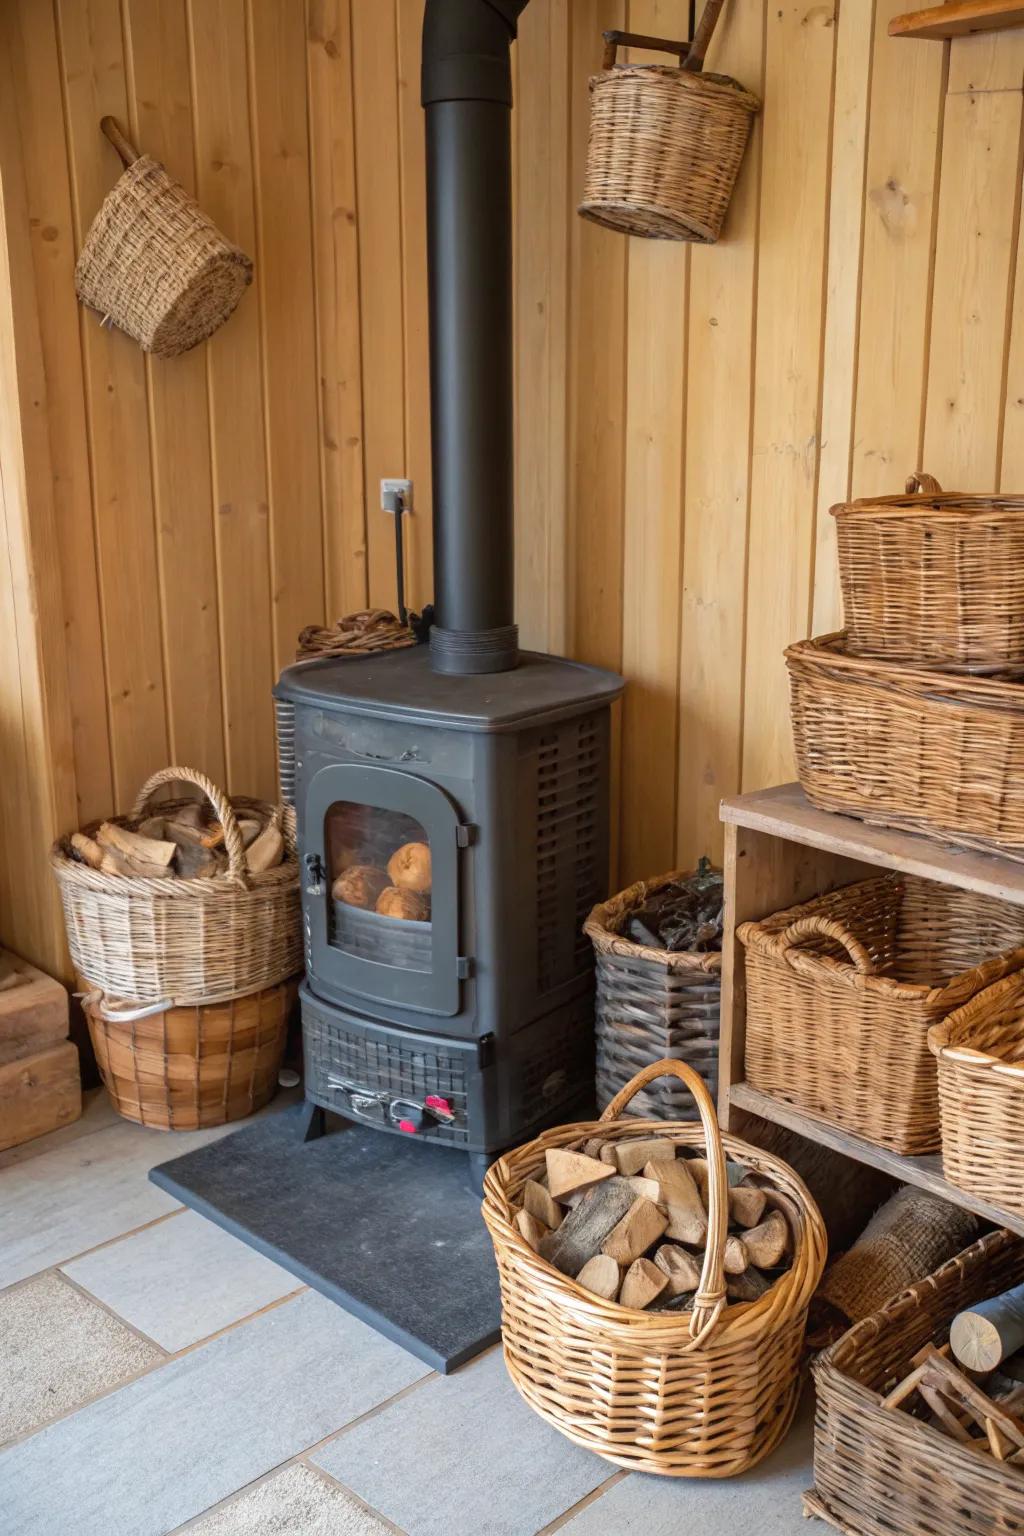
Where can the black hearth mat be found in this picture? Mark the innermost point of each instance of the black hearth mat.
(388, 1229)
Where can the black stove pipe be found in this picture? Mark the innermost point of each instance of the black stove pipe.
(467, 95)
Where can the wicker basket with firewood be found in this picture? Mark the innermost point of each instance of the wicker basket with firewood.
(180, 903)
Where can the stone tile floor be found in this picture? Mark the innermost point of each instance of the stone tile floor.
(158, 1376)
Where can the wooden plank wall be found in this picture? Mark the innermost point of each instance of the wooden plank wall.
(685, 416)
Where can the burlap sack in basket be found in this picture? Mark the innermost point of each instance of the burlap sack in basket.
(651, 1004)
(153, 264)
(905, 1240)
(706, 1393)
(176, 941)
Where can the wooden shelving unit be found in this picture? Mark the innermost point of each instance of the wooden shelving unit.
(958, 19)
(780, 850)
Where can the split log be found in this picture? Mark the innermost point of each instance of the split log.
(984, 1335)
(735, 1173)
(531, 1229)
(736, 1260)
(746, 1205)
(153, 826)
(537, 1200)
(643, 1283)
(682, 1269)
(571, 1171)
(606, 1154)
(87, 850)
(592, 1146)
(632, 1156)
(687, 1218)
(649, 1188)
(133, 846)
(585, 1228)
(600, 1276)
(194, 814)
(750, 1286)
(641, 1226)
(250, 831)
(194, 862)
(766, 1244)
(266, 852)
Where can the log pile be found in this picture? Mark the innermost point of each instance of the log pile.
(628, 1220)
(187, 843)
(988, 1417)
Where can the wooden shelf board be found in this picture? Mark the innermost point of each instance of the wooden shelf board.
(926, 1172)
(786, 812)
(958, 19)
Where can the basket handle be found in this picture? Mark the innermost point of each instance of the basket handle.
(702, 37)
(920, 484)
(237, 870)
(710, 1297)
(828, 928)
(614, 40)
(112, 128)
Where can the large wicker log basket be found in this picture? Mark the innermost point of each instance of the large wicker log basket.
(184, 941)
(705, 1393)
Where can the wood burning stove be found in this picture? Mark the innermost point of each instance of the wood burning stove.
(458, 1007)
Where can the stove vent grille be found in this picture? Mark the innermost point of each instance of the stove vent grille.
(285, 716)
(568, 844)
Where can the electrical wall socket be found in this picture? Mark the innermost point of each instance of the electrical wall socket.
(401, 488)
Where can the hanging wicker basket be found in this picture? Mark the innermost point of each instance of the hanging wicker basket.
(652, 1003)
(182, 1069)
(153, 264)
(181, 941)
(934, 579)
(665, 144)
(706, 1393)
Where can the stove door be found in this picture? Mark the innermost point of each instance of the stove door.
(381, 890)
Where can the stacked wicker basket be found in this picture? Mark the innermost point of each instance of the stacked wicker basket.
(189, 982)
(895, 1007)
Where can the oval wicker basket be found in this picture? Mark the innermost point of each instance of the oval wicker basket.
(665, 145)
(184, 941)
(651, 1004)
(701, 1394)
(979, 1051)
(880, 1470)
(182, 1069)
(933, 578)
(900, 746)
(153, 264)
(842, 990)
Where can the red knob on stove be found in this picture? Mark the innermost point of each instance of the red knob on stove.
(407, 1126)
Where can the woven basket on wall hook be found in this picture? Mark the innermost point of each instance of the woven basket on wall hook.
(665, 144)
(153, 264)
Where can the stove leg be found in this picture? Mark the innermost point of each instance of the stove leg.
(313, 1123)
(479, 1162)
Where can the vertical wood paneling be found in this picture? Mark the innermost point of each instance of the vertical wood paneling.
(224, 182)
(717, 487)
(336, 244)
(419, 541)
(285, 252)
(979, 202)
(160, 115)
(793, 233)
(118, 419)
(378, 187)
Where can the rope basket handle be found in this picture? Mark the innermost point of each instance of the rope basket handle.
(710, 1297)
(690, 54)
(828, 928)
(237, 869)
(125, 148)
(921, 484)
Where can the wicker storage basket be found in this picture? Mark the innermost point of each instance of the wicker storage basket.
(905, 747)
(700, 1394)
(153, 263)
(181, 1069)
(184, 941)
(932, 578)
(652, 1003)
(841, 992)
(665, 144)
(979, 1051)
(879, 1471)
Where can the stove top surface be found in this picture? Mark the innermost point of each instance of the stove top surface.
(402, 685)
